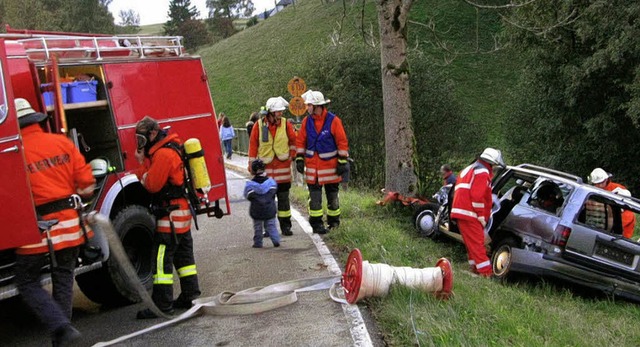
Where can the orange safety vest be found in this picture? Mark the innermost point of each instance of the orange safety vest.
(56, 170)
(279, 170)
(165, 167)
(317, 170)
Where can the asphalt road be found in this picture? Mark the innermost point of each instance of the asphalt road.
(225, 261)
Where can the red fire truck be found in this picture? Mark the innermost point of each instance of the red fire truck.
(95, 88)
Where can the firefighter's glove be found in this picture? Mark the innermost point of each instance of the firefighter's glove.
(343, 166)
(300, 164)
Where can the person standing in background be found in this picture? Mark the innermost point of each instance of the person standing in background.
(252, 120)
(226, 135)
(448, 177)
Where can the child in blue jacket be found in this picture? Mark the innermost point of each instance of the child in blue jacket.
(261, 192)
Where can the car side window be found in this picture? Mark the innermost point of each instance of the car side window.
(546, 195)
(601, 214)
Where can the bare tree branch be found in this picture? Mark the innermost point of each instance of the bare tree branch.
(499, 7)
(543, 31)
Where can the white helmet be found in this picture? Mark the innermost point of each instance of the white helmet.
(493, 157)
(99, 167)
(598, 175)
(277, 104)
(314, 98)
(26, 114)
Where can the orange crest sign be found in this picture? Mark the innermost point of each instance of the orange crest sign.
(296, 86)
(297, 106)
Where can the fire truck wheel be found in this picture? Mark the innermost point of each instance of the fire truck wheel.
(109, 285)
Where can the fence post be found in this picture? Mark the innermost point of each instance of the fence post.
(241, 143)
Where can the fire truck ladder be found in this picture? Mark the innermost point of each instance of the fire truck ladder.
(41, 47)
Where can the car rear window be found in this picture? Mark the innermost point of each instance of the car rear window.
(601, 214)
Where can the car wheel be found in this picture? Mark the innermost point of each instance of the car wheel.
(502, 257)
(426, 222)
(109, 285)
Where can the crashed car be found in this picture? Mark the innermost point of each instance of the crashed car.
(550, 223)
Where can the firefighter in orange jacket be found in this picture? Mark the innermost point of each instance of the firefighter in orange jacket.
(471, 207)
(56, 171)
(322, 147)
(163, 176)
(273, 142)
(602, 180)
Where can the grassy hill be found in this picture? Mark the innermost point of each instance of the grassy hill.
(152, 29)
(256, 63)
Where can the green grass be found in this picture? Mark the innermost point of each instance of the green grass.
(256, 63)
(152, 29)
(482, 312)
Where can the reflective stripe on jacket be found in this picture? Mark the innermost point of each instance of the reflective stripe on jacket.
(165, 166)
(279, 170)
(472, 197)
(319, 171)
(56, 171)
(275, 146)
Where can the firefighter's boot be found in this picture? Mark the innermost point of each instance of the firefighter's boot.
(317, 225)
(333, 221)
(190, 291)
(285, 226)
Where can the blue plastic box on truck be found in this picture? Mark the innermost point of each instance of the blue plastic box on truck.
(82, 91)
(48, 95)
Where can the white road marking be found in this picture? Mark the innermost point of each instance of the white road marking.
(358, 329)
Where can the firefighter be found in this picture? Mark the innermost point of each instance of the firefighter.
(56, 171)
(602, 180)
(273, 142)
(471, 207)
(163, 176)
(322, 147)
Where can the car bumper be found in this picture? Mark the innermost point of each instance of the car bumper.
(554, 266)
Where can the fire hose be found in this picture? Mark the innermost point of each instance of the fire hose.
(359, 280)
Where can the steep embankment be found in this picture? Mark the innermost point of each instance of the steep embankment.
(256, 63)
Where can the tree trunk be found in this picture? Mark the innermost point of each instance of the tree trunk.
(400, 175)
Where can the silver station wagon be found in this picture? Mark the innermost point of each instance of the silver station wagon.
(549, 223)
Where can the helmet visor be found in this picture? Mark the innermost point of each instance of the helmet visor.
(141, 141)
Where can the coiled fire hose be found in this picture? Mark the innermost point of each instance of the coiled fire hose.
(360, 280)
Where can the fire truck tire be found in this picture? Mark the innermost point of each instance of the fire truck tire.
(109, 285)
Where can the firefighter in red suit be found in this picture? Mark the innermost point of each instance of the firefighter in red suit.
(322, 146)
(163, 176)
(56, 171)
(471, 207)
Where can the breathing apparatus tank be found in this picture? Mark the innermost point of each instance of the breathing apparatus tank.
(197, 165)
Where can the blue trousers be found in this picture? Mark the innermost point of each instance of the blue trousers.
(54, 312)
(270, 226)
(227, 147)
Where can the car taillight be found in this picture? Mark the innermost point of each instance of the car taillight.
(562, 234)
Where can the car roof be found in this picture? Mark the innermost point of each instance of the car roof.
(576, 182)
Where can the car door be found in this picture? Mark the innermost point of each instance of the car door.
(17, 214)
(602, 248)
